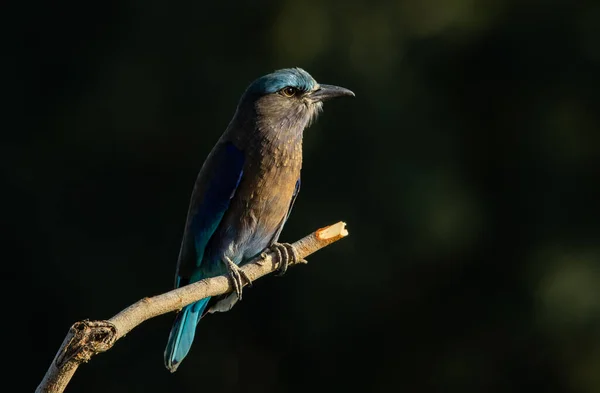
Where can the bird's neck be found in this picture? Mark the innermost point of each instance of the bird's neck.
(277, 138)
(283, 145)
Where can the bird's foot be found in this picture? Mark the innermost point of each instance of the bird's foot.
(237, 276)
(286, 255)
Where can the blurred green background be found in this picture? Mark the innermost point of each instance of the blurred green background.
(466, 169)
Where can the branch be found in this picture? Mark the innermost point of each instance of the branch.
(88, 338)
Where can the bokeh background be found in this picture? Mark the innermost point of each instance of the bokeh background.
(466, 168)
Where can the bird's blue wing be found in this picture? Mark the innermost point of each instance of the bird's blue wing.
(215, 187)
(223, 183)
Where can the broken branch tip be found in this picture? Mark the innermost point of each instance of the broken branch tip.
(337, 230)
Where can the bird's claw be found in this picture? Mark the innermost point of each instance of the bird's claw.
(237, 276)
(286, 255)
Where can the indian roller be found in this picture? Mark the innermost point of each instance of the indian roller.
(244, 192)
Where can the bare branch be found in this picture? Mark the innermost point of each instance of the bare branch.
(87, 338)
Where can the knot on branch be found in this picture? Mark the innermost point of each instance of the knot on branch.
(87, 339)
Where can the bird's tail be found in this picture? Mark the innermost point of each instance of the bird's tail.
(182, 333)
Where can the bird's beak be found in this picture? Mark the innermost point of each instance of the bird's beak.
(325, 92)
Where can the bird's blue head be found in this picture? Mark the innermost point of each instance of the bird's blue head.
(289, 98)
(295, 78)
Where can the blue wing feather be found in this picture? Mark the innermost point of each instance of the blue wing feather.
(215, 187)
(228, 163)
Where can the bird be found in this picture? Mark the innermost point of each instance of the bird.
(244, 193)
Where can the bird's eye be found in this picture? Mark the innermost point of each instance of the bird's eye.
(289, 91)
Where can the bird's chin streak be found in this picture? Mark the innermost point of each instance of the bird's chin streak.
(314, 109)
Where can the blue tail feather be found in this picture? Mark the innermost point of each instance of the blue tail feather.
(182, 333)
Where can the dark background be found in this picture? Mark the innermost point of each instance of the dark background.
(466, 169)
